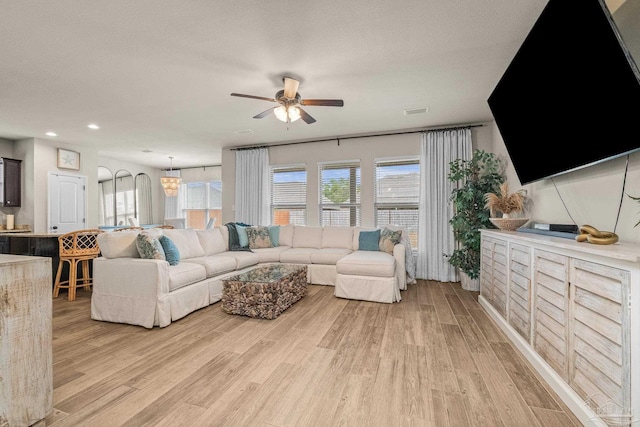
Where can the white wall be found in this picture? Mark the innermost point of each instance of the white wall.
(39, 158)
(592, 195)
(364, 149)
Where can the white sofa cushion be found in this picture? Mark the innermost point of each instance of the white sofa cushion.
(187, 242)
(367, 263)
(121, 244)
(211, 241)
(243, 258)
(307, 237)
(329, 256)
(270, 254)
(185, 274)
(215, 264)
(297, 255)
(337, 237)
(286, 235)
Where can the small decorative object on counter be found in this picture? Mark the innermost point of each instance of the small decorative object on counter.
(593, 235)
(507, 204)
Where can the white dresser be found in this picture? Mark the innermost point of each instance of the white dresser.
(567, 306)
(26, 367)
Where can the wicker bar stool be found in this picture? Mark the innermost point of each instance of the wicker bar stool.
(77, 247)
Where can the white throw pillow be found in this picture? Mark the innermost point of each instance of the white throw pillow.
(211, 241)
(186, 240)
(119, 244)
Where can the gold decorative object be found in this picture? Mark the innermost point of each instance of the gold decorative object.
(593, 235)
(508, 224)
(171, 184)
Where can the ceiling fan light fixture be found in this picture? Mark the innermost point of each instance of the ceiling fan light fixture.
(287, 114)
(281, 113)
(294, 113)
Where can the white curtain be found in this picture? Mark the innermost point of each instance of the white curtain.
(438, 149)
(252, 186)
(144, 213)
(172, 205)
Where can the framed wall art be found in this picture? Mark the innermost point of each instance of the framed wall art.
(68, 159)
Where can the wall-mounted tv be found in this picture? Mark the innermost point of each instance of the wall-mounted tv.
(571, 95)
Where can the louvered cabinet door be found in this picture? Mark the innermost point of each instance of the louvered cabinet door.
(551, 300)
(520, 290)
(486, 268)
(500, 268)
(599, 339)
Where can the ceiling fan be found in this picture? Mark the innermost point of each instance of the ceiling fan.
(290, 101)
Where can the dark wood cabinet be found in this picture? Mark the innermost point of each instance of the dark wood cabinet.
(11, 182)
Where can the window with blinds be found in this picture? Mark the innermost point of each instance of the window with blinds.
(340, 193)
(397, 195)
(288, 194)
(201, 201)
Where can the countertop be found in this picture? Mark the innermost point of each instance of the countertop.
(12, 233)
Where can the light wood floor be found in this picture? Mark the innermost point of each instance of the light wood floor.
(434, 359)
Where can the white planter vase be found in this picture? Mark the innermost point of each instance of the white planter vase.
(469, 284)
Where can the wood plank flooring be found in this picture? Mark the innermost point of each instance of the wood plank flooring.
(434, 359)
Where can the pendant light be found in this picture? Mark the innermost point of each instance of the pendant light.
(171, 184)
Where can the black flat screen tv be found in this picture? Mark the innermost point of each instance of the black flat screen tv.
(570, 97)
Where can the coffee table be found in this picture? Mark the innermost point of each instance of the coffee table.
(264, 292)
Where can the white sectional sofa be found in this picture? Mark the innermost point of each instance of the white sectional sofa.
(150, 292)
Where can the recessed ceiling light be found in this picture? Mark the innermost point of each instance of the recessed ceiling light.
(147, 151)
(93, 126)
(243, 131)
(51, 134)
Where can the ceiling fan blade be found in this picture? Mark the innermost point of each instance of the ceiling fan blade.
(323, 102)
(253, 97)
(306, 117)
(290, 87)
(265, 113)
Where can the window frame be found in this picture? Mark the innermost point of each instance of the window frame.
(273, 207)
(397, 206)
(355, 192)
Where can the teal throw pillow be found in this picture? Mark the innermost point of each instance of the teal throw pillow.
(171, 252)
(388, 239)
(274, 235)
(243, 238)
(368, 240)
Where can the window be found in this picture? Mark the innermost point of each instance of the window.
(397, 195)
(201, 201)
(288, 195)
(340, 193)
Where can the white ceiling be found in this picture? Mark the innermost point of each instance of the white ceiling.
(157, 74)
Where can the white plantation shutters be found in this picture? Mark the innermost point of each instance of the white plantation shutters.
(340, 193)
(397, 193)
(288, 194)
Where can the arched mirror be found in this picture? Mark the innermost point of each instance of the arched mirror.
(143, 199)
(124, 198)
(105, 198)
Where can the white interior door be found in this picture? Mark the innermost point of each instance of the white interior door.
(67, 207)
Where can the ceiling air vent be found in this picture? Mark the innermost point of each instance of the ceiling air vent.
(420, 110)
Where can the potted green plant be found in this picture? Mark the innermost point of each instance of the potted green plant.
(476, 177)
